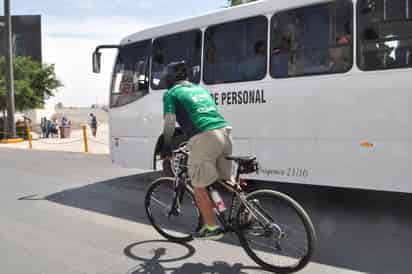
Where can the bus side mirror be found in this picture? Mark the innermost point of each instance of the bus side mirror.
(96, 61)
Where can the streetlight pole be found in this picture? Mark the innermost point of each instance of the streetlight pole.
(9, 71)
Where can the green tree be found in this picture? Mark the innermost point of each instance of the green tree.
(33, 84)
(239, 2)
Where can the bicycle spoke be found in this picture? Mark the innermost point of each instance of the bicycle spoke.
(173, 222)
(281, 244)
(289, 228)
(264, 245)
(291, 251)
(159, 202)
(277, 235)
(284, 241)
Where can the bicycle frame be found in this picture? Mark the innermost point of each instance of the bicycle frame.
(238, 196)
(181, 179)
(239, 199)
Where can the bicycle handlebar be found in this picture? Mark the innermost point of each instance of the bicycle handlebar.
(182, 150)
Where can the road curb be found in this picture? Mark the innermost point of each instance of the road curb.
(12, 141)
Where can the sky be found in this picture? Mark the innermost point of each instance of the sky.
(71, 30)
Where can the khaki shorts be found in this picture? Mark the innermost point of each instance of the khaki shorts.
(207, 161)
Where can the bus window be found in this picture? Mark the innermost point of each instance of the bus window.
(185, 46)
(312, 40)
(130, 79)
(384, 34)
(236, 51)
(409, 9)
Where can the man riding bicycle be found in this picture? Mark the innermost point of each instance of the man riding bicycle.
(193, 107)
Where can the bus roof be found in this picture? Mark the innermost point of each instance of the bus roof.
(224, 15)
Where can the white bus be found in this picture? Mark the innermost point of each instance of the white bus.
(319, 91)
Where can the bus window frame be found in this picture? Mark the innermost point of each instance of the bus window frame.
(132, 97)
(352, 43)
(359, 43)
(165, 36)
(228, 22)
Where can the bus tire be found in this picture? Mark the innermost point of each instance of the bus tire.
(167, 168)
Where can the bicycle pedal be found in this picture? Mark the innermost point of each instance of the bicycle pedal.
(256, 234)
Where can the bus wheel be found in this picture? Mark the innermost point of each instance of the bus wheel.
(164, 166)
(167, 168)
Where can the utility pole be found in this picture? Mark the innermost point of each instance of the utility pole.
(9, 71)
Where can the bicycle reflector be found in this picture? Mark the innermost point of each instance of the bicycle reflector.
(242, 182)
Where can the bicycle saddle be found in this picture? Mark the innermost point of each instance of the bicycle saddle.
(241, 159)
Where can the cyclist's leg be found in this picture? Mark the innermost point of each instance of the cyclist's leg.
(205, 205)
(224, 166)
(204, 150)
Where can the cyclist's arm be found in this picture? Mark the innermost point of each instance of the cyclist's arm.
(169, 112)
(168, 133)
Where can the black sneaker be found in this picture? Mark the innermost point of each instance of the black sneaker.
(206, 233)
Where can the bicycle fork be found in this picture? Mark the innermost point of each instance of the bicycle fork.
(177, 199)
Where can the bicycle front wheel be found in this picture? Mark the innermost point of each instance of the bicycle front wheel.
(278, 235)
(175, 224)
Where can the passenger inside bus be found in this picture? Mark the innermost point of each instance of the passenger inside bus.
(280, 58)
(211, 54)
(371, 52)
(312, 40)
(340, 56)
(236, 51)
(255, 65)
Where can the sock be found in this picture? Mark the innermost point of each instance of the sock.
(212, 228)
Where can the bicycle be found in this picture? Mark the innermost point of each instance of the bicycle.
(249, 216)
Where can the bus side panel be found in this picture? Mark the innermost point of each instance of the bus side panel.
(343, 130)
(385, 166)
(134, 152)
(134, 130)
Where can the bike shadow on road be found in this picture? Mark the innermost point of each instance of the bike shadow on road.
(161, 257)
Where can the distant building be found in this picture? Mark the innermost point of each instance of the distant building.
(26, 35)
(26, 41)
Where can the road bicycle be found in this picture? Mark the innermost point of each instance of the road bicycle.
(274, 230)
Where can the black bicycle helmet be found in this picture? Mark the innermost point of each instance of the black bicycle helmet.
(176, 71)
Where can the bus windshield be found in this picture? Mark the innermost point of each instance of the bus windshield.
(130, 79)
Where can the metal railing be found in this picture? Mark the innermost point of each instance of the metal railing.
(29, 138)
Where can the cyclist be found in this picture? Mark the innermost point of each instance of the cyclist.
(194, 109)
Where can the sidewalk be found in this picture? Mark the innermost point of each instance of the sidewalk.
(97, 145)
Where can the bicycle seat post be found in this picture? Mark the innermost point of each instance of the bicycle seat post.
(237, 179)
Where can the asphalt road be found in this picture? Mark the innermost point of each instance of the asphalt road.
(75, 213)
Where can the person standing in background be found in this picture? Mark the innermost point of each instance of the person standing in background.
(93, 124)
(43, 125)
(48, 128)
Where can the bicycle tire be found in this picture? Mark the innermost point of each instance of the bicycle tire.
(245, 220)
(188, 204)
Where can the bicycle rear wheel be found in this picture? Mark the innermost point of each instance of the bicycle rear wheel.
(280, 237)
(175, 225)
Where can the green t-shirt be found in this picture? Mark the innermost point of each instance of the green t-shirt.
(195, 109)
